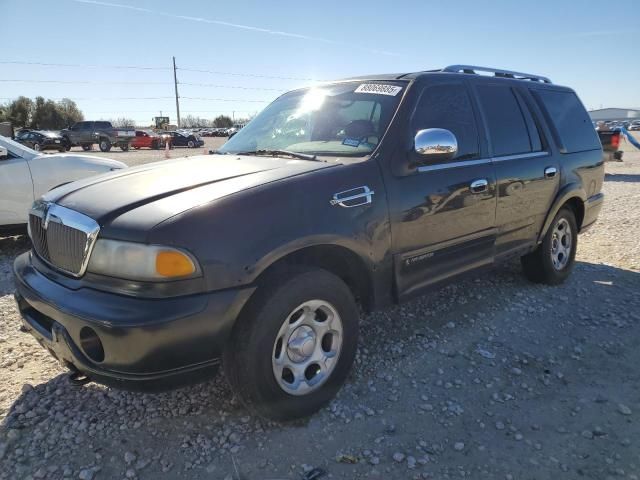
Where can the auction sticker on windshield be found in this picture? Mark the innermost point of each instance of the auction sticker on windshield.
(378, 88)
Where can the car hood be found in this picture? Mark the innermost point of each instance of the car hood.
(141, 197)
(107, 163)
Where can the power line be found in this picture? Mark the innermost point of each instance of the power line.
(252, 75)
(82, 82)
(92, 82)
(138, 67)
(89, 65)
(225, 99)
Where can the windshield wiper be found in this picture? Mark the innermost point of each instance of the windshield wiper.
(277, 153)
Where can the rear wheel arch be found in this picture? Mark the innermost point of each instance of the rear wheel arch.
(572, 196)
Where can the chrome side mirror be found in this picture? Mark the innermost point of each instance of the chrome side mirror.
(436, 144)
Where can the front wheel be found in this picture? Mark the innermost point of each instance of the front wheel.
(105, 145)
(294, 344)
(124, 147)
(191, 144)
(553, 260)
(36, 147)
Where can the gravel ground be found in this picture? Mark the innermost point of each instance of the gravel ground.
(492, 377)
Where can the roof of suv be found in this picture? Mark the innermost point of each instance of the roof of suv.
(460, 69)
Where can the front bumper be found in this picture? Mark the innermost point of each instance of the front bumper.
(147, 343)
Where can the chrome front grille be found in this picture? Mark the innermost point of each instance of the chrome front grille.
(62, 237)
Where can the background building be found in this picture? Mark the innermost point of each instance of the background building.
(615, 114)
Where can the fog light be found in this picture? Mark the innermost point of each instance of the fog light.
(91, 344)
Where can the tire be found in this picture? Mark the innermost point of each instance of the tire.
(191, 144)
(67, 147)
(252, 356)
(36, 147)
(553, 260)
(154, 146)
(124, 147)
(105, 145)
(86, 147)
(136, 148)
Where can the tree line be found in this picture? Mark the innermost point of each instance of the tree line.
(47, 114)
(41, 113)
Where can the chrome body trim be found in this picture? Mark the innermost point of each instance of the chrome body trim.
(52, 213)
(520, 156)
(480, 161)
(444, 166)
(342, 198)
(479, 186)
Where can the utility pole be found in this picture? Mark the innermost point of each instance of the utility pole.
(175, 84)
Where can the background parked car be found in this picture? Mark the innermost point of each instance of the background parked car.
(147, 139)
(26, 174)
(42, 140)
(183, 139)
(86, 134)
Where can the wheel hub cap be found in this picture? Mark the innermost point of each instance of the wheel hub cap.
(561, 244)
(301, 344)
(307, 347)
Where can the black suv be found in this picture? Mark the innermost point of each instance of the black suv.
(358, 193)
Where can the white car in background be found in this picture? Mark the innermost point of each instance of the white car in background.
(25, 175)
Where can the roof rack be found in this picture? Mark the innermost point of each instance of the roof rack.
(497, 73)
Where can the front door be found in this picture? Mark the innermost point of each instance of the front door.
(443, 213)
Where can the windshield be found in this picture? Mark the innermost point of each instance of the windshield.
(346, 119)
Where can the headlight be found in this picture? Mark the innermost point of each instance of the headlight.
(137, 261)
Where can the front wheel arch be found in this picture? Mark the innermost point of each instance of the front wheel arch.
(336, 259)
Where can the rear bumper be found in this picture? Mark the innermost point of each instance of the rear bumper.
(592, 208)
(147, 344)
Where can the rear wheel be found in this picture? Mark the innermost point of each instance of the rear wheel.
(124, 147)
(553, 260)
(294, 344)
(105, 145)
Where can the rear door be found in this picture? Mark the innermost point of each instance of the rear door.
(527, 171)
(441, 226)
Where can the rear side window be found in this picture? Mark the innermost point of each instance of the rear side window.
(102, 125)
(506, 123)
(571, 121)
(448, 106)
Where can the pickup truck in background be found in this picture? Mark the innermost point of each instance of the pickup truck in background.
(85, 134)
(610, 140)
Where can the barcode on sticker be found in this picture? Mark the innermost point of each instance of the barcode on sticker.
(378, 88)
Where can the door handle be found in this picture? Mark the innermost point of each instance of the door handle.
(550, 172)
(479, 186)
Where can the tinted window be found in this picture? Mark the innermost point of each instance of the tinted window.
(571, 120)
(449, 107)
(103, 125)
(507, 127)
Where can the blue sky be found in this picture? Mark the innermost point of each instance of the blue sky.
(588, 45)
